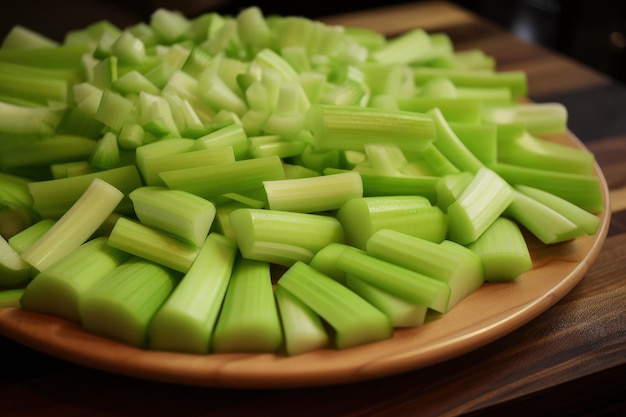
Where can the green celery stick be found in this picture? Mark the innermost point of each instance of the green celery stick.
(152, 244)
(14, 270)
(450, 187)
(589, 222)
(146, 153)
(249, 319)
(122, 303)
(548, 225)
(46, 151)
(438, 163)
(169, 26)
(482, 201)
(20, 37)
(515, 81)
(176, 212)
(186, 321)
(214, 180)
(480, 139)
(453, 109)
(395, 279)
(538, 118)
(447, 261)
(106, 154)
(414, 215)
(325, 261)
(314, 194)
(11, 298)
(351, 127)
(26, 237)
(75, 226)
(283, 237)
(402, 313)
(503, 251)
(383, 185)
(58, 289)
(232, 135)
(113, 110)
(354, 320)
(303, 329)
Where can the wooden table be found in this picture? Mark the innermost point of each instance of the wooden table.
(570, 360)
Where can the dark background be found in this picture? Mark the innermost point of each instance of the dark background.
(590, 31)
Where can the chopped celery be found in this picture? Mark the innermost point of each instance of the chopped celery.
(58, 289)
(395, 279)
(249, 319)
(75, 226)
(13, 269)
(414, 215)
(187, 319)
(11, 298)
(176, 212)
(325, 261)
(503, 251)
(122, 303)
(353, 319)
(152, 244)
(283, 237)
(447, 261)
(26, 237)
(315, 194)
(539, 118)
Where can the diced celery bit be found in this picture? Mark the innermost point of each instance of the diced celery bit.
(13, 269)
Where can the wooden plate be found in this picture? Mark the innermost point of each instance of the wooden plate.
(488, 314)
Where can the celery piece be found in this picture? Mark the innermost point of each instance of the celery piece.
(281, 148)
(539, 118)
(503, 251)
(160, 149)
(20, 37)
(122, 303)
(29, 88)
(75, 226)
(402, 313)
(113, 109)
(253, 29)
(155, 116)
(52, 198)
(354, 320)
(63, 56)
(47, 151)
(16, 119)
(293, 171)
(583, 190)
(128, 48)
(71, 169)
(105, 72)
(170, 26)
(11, 298)
(176, 212)
(17, 188)
(283, 237)
(451, 146)
(414, 215)
(533, 152)
(214, 180)
(325, 261)
(447, 261)
(395, 279)
(58, 289)
(450, 187)
(26, 237)
(152, 244)
(587, 221)
(437, 161)
(249, 319)
(214, 92)
(187, 319)
(515, 81)
(303, 329)
(483, 200)
(480, 139)
(14, 270)
(78, 122)
(546, 224)
(134, 82)
(106, 154)
(453, 109)
(351, 127)
(315, 194)
(232, 135)
(384, 185)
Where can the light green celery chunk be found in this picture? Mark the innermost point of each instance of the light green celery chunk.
(514, 80)
(222, 223)
(253, 29)
(11, 298)
(589, 222)
(156, 117)
(59, 57)
(483, 200)
(232, 135)
(453, 109)
(13, 269)
(47, 151)
(187, 319)
(325, 261)
(17, 188)
(113, 110)
(402, 313)
(104, 72)
(20, 84)
(26, 237)
(406, 48)
(480, 139)
(281, 148)
(439, 164)
(176, 212)
(315, 194)
(384, 185)
(214, 92)
(71, 169)
(163, 148)
(231, 177)
(75, 226)
(58, 289)
(283, 237)
(129, 49)
(354, 320)
(395, 279)
(546, 224)
(17, 119)
(530, 151)
(414, 215)
(169, 25)
(539, 118)
(52, 198)
(106, 154)
(351, 127)
(303, 330)
(447, 261)
(451, 146)
(134, 82)
(249, 319)
(583, 190)
(122, 303)
(450, 187)
(293, 171)
(503, 251)
(14, 217)
(152, 244)
(20, 37)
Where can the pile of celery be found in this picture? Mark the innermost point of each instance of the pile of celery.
(154, 178)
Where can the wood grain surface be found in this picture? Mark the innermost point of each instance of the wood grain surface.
(571, 360)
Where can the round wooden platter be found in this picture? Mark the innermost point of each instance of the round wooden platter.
(486, 315)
